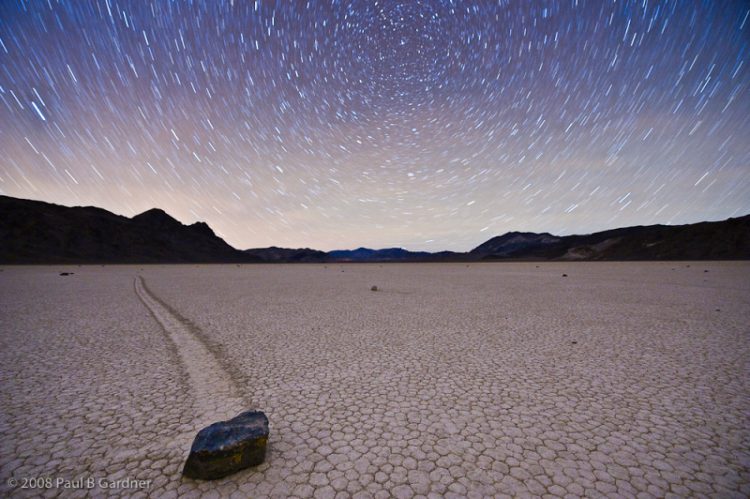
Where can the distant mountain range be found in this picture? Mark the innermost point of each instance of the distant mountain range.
(725, 240)
(287, 255)
(392, 255)
(39, 232)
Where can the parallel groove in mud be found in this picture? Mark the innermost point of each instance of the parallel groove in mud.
(212, 387)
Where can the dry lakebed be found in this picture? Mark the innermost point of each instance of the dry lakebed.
(447, 380)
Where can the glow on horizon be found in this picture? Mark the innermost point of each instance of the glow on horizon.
(424, 125)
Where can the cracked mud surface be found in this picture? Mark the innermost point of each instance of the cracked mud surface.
(622, 379)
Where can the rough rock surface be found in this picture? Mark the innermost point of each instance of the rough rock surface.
(228, 446)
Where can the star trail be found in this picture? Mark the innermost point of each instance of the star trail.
(424, 124)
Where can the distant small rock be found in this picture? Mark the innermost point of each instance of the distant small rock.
(705, 271)
(565, 275)
(374, 288)
(67, 273)
(574, 342)
(228, 446)
(718, 310)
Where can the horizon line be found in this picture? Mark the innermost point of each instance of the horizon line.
(368, 247)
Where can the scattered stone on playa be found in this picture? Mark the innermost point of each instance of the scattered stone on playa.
(565, 275)
(67, 273)
(226, 447)
(374, 288)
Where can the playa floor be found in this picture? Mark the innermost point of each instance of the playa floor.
(496, 379)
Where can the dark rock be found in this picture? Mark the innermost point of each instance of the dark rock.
(374, 288)
(67, 273)
(574, 342)
(565, 275)
(228, 446)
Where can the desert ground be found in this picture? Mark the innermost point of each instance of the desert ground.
(451, 380)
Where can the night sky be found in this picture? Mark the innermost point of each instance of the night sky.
(427, 125)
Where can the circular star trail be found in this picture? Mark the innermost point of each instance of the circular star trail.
(428, 125)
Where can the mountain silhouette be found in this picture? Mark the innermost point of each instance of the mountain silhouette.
(287, 255)
(725, 240)
(514, 242)
(39, 232)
